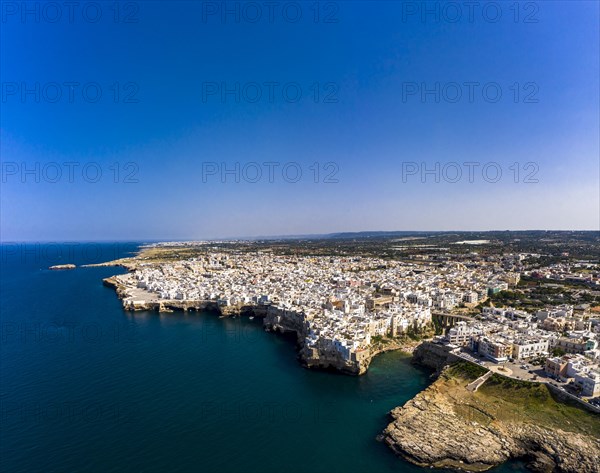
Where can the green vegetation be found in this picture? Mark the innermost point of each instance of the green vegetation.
(417, 334)
(557, 351)
(534, 403)
(413, 334)
(533, 294)
(437, 247)
(438, 327)
(538, 361)
(465, 371)
(503, 399)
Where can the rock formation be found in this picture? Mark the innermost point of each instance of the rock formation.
(447, 426)
(62, 266)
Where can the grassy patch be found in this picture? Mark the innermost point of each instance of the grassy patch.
(507, 400)
(464, 370)
(515, 400)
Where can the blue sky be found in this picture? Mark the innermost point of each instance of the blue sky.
(185, 156)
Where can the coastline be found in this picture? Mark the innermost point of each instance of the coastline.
(430, 430)
(274, 320)
(437, 409)
(450, 425)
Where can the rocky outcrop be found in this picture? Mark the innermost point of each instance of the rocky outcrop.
(116, 283)
(316, 357)
(321, 357)
(359, 362)
(62, 266)
(434, 355)
(284, 321)
(447, 426)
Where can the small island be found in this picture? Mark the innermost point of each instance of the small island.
(59, 267)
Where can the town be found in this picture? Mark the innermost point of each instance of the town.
(345, 309)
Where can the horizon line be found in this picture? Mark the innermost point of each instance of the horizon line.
(287, 236)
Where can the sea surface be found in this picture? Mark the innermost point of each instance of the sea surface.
(85, 386)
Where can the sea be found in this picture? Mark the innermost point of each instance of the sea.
(88, 387)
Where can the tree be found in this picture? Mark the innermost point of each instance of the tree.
(557, 351)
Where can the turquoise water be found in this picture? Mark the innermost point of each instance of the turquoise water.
(86, 386)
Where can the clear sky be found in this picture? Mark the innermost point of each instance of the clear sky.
(205, 118)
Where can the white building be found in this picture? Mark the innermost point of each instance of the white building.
(461, 334)
(523, 349)
(589, 383)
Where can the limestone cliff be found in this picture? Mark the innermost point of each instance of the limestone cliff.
(314, 357)
(448, 426)
(275, 319)
(434, 355)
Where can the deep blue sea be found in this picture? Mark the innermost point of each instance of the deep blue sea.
(85, 386)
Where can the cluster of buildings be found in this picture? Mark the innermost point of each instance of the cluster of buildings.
(582, 272)
(582, 371)
(340, 305)
(343, 303)
(505, 334)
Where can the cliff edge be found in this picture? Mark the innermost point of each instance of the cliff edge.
(450, 426)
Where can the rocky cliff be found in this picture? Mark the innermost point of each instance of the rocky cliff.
(275, 319)
(434, 355)
(313, 357)
(448, 426)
